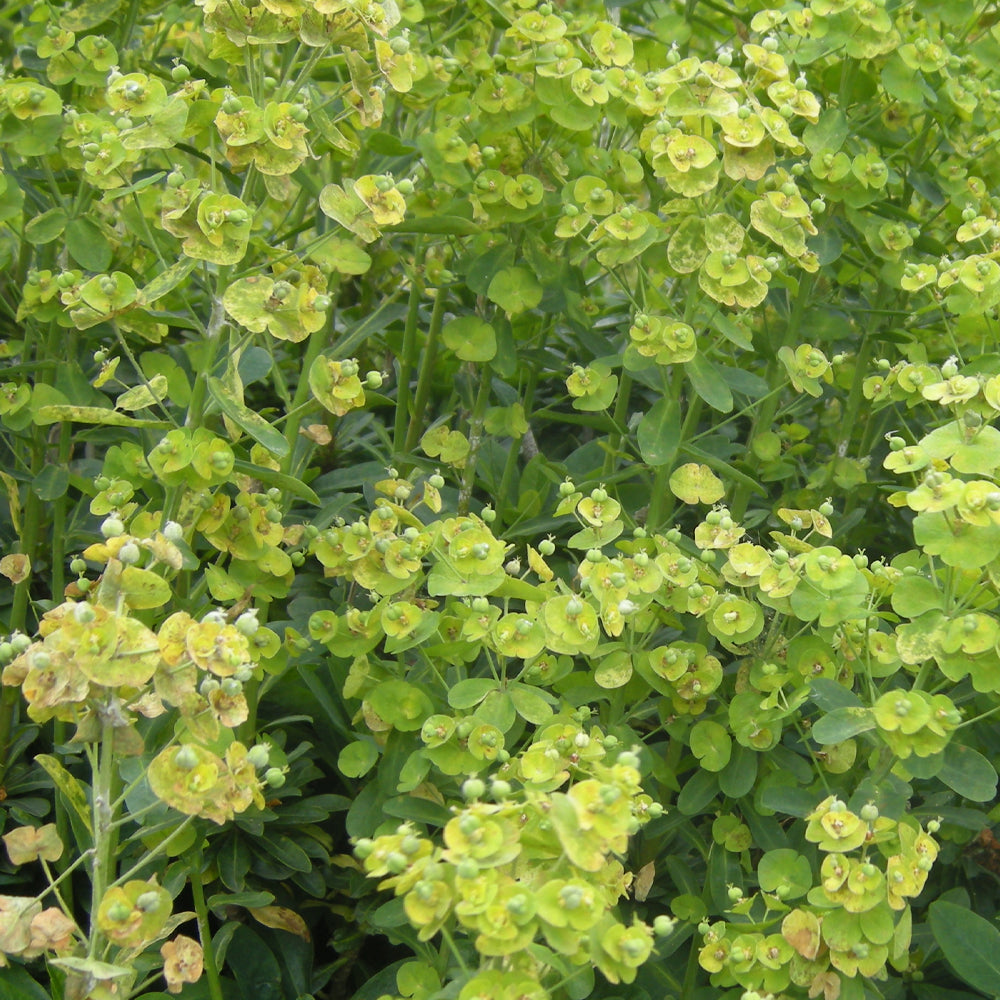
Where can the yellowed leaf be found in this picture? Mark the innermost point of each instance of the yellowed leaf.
(15, 567)
(282, 919)
(644, 880)
(28, 843)
(13, 500)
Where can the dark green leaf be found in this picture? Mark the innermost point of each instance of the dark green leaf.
(787, 799)
(709, 383)
(417, 809)
(254, 966)
(829, 694)
(51, 483)
(221, 900)
(970, 774)
(737, 777)
(750, 385)
(288, 484)
(700, 789)
(828, 134)
(843, 723)
(365, 813)
(233, 861)
(87, 245)
(437, 225)
(285, 850)
(18, 985)
(659, 433)
(970, 943)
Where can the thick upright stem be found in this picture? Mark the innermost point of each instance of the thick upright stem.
(775, 374)
(426, 375)
(407, 360)
(104, 835)
(204, 931)
(476, 422)
(19, 609)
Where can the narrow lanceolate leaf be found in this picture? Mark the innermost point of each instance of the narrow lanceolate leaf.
(71, 789)
(245, 418)
(141, 396)
(166, 281)
(287, 484)
(56, 413)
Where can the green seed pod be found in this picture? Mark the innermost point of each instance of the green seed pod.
(112, 527)
(473, 788)
(129, 554)
(500, 789)
(148, 901)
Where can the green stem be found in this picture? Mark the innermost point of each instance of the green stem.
(426, 376)
(59, 516)
(978, 718)
(880, 772)
(204, 932)
(216, 321)
(450, 941)
(253, 691)
(302, 396)
(661, 502)
(775, 376)
(54, 883)
(30, 529)
(64, 899)
(407, 358)
(154, 853)
(690, 972)
(103, 834)
(517, 446)
(619, 416)
(921, 679)
(127, 25)
(475, 440)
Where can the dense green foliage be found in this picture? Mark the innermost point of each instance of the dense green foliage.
(500, 499)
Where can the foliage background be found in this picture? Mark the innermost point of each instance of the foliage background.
(531, 445)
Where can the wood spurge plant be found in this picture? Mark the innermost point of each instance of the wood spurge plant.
(499, 500)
